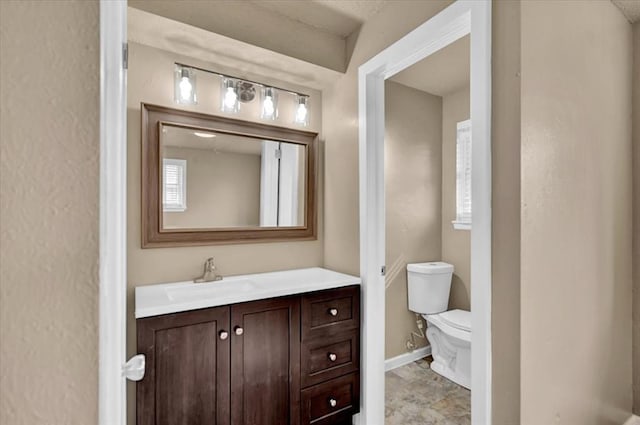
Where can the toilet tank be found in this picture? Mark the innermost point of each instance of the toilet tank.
(429, 287)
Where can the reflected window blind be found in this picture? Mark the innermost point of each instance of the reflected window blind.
(174, 188)
(463, 172)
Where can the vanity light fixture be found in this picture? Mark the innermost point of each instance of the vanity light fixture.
(234, 90)
(269, 103)
(185, 85)
(229, 96)
(302, 111)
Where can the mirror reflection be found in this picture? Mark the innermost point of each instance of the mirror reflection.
(222, 180)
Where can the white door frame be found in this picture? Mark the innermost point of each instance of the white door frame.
(459, 19)
(112, 407)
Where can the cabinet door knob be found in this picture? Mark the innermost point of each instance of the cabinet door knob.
(333, 402)
(333, 312)
(332, 357)
(223, 335)
(238, 330)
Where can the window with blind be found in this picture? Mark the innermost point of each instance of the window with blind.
(174, 185)
(463, 175)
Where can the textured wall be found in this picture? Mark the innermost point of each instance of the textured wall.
(636, 218)
(576, 214)
(340, 128)
(456, 244)
(413, 186)
(505, 163)
(49, 132)
(505, 153)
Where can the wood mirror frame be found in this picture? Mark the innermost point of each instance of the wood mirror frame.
(153, 234)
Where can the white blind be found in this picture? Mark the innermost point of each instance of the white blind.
(174, 191)
(463, 172)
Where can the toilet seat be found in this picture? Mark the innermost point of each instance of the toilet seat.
(459, 319)
(456, 323)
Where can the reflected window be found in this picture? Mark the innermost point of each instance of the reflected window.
(174, 185)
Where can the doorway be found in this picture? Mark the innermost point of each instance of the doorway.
(457, 21)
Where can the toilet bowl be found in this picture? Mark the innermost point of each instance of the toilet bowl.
(450, 336)
(449, 332)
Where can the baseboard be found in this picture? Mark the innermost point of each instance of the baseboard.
(406, 358)
(633, 420)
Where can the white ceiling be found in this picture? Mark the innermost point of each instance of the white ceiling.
(630, 9)
(314, 31)
(232, 56)
(441, 73)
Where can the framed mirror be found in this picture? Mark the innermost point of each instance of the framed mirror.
(214, 180)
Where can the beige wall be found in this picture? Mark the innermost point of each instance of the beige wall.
(576, 214)
(413, 186)
(636, 218)
(456, 244)
(49, 132)
(223, 189)
(340, 128)
(505, 192)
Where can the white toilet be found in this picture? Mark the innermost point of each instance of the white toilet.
(449, 332)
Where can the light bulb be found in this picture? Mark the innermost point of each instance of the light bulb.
(185, 85)
(268, 106)
(230, 98)
(301, 113)
(269, 103)
(185, 88)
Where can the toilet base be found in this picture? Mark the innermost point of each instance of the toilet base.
(446, 372)
(451, 356)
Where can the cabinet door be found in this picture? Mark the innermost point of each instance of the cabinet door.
(187, 368)
(265, 363)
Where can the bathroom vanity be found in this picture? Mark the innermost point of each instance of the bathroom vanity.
(263, 349)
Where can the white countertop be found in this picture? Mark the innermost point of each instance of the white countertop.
(154, 300)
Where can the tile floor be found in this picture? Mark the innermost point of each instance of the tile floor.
(415, 395)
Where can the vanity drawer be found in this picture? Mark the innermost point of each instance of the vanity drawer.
(327, 358)
(332, 402)
(325, 313)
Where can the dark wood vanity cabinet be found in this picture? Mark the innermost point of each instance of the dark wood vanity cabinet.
(330, 356)
(280, 361)
(187, 369)
(265, 365)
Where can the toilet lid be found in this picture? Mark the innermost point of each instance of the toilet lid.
(459, 319)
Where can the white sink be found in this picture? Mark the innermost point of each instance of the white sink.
(221, 288)
(165, 298)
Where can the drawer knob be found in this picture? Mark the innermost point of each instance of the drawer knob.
(333, 402)
(333, 312)
(238, 330)
(223, 335)
(333, 357)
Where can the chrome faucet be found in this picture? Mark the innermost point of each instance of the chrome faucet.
(209, 274)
